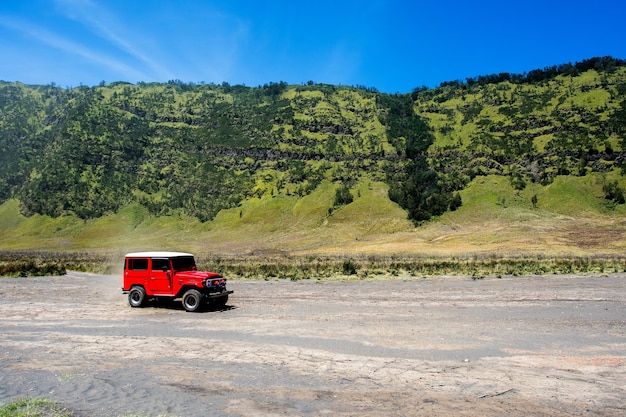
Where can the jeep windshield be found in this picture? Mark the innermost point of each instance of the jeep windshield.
(184, 263)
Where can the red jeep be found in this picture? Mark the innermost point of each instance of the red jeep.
(171, 275)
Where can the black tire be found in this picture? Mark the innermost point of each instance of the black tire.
(136, 297)
(192, 300)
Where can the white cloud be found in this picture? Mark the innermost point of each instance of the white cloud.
(104, 24)
(69, 47)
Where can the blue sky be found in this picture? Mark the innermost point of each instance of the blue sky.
(393, 46)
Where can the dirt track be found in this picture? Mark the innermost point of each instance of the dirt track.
(515, 346)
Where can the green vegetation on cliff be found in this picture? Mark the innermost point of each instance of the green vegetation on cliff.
(238, 158)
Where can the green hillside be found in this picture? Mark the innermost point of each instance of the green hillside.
(506, 163)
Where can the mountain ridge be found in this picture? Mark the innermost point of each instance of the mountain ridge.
(341, 166)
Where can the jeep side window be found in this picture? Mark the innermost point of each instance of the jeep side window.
(160, 264)
(184, 263)
(140, 264)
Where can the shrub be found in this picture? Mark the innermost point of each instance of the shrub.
(29, 268)
(455, 202)
(613, 192)
(343, 196)
(349, 267)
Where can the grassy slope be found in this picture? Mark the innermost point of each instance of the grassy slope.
(283, 223)
(570, 219)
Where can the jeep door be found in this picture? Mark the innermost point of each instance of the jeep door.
(160, 276)
(136, 272)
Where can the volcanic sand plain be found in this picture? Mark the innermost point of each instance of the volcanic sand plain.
(509, 346)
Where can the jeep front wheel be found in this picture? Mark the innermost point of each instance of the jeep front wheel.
(136, 296)
(192, 300)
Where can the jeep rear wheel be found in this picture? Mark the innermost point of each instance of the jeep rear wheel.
(136, 296)
(192, 300)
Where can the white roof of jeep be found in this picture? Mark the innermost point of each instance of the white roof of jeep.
(156, 254)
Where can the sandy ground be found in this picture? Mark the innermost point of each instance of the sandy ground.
(510, 346)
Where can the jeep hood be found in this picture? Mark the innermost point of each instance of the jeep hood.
(196, 274)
